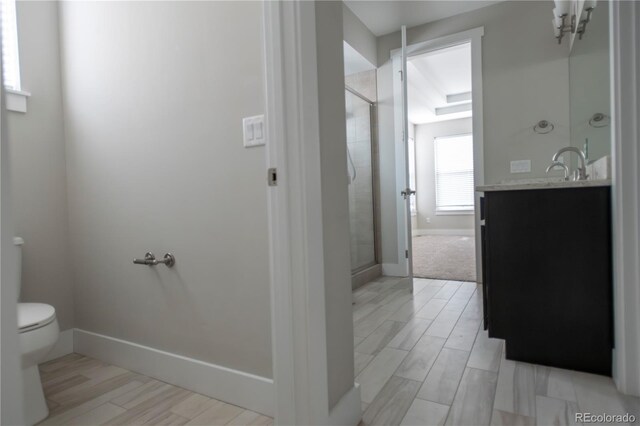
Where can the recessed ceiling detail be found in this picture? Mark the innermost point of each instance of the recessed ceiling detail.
(439, 85)
(453, 109)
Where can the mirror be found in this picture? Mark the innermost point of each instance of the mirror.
(589, 87)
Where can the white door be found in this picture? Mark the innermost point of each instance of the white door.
(403, 182)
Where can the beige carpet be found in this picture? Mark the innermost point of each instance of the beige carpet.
(444, 257)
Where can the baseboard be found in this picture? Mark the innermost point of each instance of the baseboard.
(64, 346)
(348, 411)
(463, 232)
(235, 387)
(394, 269)
(363, 277)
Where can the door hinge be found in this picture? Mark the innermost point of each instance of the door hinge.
(401, 75)
(406, 254)
(272, 176)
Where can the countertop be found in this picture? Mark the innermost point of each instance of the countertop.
(525, 184)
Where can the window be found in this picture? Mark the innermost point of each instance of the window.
(454, 173)
(10, 58)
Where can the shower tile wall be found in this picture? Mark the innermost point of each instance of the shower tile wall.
(361, 190)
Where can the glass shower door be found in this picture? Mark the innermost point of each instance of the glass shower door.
(361, 182)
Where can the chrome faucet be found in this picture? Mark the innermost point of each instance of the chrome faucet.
(581, 171)
(556, 165)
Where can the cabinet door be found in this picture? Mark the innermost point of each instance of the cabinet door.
(550, 287)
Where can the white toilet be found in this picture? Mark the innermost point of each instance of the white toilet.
(38, 331)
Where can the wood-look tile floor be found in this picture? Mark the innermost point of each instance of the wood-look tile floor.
(87, 392)
(422, 358)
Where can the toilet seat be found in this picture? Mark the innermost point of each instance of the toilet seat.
(32, 316)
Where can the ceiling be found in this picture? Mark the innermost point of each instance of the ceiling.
(387, 16)
(433, 76)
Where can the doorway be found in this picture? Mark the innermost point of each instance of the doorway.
(439, 107)
(440, 148)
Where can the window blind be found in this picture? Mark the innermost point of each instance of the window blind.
(454, 173)
(10, 58)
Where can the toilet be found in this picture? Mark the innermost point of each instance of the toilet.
(38, 333)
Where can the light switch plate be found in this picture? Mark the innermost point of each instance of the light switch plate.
(253, 131)
(521, 166)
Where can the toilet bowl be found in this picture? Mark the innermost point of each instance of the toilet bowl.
(38, 333)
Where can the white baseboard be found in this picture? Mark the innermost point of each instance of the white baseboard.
(464, 232)
(394, 269)
(235, 387)
(348, 411)
(64, 346)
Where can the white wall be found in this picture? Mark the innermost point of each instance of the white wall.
(154, 96)
(38, 171)
(525, 79)
(425, 176)
(335, 202)
(358, 35)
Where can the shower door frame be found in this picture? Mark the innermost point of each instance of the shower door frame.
(375, 182)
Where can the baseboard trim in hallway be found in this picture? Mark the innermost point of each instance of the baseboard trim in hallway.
(394, 270)
(235, 387)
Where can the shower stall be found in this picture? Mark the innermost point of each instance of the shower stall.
(363, 177)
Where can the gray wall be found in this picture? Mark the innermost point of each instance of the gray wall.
(38, 164)
(154, 97)
(425, 175)
(525, 79)
(359, 36)
(335, 203)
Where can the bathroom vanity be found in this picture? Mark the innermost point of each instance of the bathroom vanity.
(547, 272)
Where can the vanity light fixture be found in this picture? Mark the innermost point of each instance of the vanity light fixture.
(560, 16)
(589, 5)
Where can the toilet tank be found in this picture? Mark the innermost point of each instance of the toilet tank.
(18, 242)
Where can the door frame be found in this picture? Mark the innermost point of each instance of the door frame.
(296, 252)
(12, 403)
(294, 206)
(625, 130)
(474, 37)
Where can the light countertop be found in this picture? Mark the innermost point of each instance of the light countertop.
(525, 184)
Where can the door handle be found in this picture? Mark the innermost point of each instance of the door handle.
(407, 192)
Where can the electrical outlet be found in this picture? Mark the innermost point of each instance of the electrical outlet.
(428, 220)
(521, 166)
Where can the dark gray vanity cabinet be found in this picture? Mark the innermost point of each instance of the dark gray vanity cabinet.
(548, 275)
